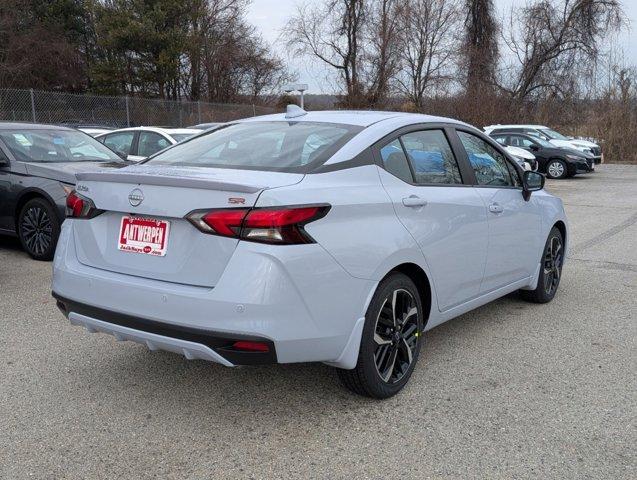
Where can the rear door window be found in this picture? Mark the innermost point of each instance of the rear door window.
(150, 143)
(395, 161)
(120, 142)
(520, 141)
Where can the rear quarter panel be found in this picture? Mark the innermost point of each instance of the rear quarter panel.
(361, 231)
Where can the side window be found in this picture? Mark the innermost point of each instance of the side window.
(489, 165)
(120, 142)
(151, 143)
(521, 142)
(501, 139)
(395, 161)
(431, 157)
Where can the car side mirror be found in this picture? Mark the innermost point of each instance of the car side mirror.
(531, 182)
(534, 147)
(4, 162)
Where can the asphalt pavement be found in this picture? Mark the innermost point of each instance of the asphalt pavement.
(510, 390)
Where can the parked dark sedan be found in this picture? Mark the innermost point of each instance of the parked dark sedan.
(555, 162)
(38, 164)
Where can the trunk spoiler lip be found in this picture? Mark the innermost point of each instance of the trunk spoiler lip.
(168, 181)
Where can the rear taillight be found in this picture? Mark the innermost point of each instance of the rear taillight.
(281, 225)
(79, 206)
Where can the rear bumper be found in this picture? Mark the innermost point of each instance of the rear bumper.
(300, 301)
(190, 342)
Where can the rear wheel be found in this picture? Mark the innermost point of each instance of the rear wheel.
(551, 272)
(38, 229)
(556, 168)
(391, 340)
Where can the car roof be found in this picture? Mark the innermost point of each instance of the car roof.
(362, 118)
(31, 126)
(166, 131)
(505, 131)
(493, 127)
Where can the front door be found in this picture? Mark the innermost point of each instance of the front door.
(514, 224)
(444, 215)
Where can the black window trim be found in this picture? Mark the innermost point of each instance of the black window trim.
(466, 173)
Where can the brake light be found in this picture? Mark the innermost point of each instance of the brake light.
(79, 206)
(282, 225)
(226, 223)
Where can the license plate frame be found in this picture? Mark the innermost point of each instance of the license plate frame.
(143, 235)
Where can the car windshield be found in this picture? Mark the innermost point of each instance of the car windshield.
(279, 146)
(180, 137)
(55, 146)
(553, 134)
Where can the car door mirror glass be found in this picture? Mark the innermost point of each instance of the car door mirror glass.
(532, 182)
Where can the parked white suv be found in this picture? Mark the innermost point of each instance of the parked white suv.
(336, 237)
(138, 143)
(590, 149)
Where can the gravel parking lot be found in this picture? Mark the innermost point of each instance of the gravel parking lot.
(511, 390)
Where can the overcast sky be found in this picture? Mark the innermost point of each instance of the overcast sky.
(269, 16)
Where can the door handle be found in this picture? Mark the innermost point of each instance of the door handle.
(495, 208)
(414, 201)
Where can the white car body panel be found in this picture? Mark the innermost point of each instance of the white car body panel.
(166, 133)
(310, 300)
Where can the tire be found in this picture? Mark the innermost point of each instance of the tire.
(38, 229)
(375, 375)
(551, 273)
(556, 168)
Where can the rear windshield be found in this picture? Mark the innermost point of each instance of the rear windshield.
(278, 146)
(48, 146)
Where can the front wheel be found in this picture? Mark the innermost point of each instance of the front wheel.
(38, 229)
(391, 340)
(556, 169)
(551, 272)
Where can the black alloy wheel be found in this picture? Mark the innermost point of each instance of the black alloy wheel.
(391, 340)
(553, 265)
(551, 273)
(396, 336)
(38, 229)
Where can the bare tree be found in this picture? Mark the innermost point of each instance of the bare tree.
(333, 33)
(554, 43)
(427, 47)
(480, 46)
(382, 57)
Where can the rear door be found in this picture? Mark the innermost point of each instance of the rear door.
(444, 214)
(165, 195)
(514, 224)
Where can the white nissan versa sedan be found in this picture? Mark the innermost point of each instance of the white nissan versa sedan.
(336, 237)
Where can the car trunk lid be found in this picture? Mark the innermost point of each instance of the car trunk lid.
(166, 194)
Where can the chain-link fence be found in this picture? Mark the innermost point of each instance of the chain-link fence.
(55, 107)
